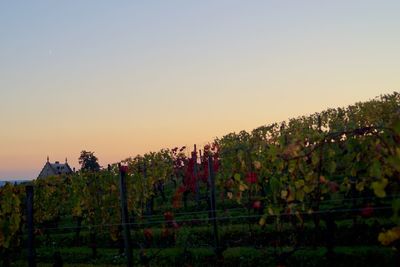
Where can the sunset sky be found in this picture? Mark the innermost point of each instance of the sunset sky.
(122, 78)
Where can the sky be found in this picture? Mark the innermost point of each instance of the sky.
(122, 78)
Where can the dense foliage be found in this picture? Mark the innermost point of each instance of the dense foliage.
(305, 167)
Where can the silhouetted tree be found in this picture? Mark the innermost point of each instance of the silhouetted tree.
(88, 161)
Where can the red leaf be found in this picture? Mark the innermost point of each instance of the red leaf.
(251, 178)
(367, 211)
(257, 205)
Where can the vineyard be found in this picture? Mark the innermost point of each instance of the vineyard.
(318, 189)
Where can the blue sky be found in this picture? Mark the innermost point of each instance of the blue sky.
(129, 77)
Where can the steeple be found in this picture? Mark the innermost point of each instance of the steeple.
(66, 160)
(47, 158)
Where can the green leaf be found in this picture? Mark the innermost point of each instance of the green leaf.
(299, 184)
(240, 155)
(379, 187)
(237, 177)
(396, 126)
(284, 178)
(309, 176)
(396, 209)
(275, 184)
(308, 189)
(315, 159)
(375, 169)
(360, 186)
(331, 153)
(331, 167)
(292, 166)
(353, 172)
(394, 161)
(263, 220)
(300, 195)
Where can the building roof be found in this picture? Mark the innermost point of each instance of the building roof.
(55, 168)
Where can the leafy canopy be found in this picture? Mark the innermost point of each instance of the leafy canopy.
(89, 161)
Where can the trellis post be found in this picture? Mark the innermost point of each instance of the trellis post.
(125, 216)
(31, 237)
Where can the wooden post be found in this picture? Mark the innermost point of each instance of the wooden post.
(319, 173)
(320, 157)
(211, 179)
(31, 237)
(125, 216)
(195, 171)
(148, 209)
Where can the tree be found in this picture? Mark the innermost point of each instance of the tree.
(89, 161)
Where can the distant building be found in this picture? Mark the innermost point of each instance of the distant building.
(56, 168)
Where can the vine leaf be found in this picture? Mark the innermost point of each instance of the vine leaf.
(379, 187)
